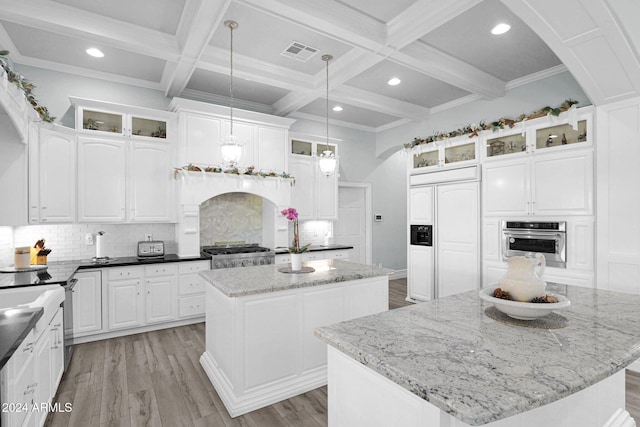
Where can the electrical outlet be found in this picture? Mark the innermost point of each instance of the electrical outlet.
(148, 237)
(88, 239)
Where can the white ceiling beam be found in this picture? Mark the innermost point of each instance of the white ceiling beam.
(60, 19)
(434, 63)
(333, 122)
(380, 103)
(329, 18)
(196, 29)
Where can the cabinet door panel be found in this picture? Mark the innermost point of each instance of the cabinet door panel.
(421, 272)
(421, 205)
(57, 176)
(101, 180)
(563, 184)
(161, 299)
(272, 149)
(246, 137)
(150, 185)
(506, 188)
(303, 193)
(203, 136)
(457, 238)
(125, 309)
(56, 369)
(87, 303)
(327, 195)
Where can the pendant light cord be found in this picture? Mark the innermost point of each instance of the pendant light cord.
(327, 144)
(231, 78)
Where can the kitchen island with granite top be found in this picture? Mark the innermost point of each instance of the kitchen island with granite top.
(447, 363)
(260, 345)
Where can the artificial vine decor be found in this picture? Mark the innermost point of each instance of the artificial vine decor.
(250, 171)
(25, 86)
(473, 129)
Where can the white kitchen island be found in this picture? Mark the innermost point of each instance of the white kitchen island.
(447, 363)
(260, 344)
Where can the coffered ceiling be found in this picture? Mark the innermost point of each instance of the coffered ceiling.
(442, 51)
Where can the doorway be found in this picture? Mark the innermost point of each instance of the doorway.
(353, 227)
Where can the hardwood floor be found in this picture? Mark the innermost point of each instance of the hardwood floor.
(155, 379)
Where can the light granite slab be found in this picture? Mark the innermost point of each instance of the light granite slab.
(237, 282)
(480, 370)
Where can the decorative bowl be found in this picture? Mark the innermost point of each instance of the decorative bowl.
(524, 310)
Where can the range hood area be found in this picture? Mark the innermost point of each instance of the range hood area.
(194, 188)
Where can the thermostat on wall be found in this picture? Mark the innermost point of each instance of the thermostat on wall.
(377, 218)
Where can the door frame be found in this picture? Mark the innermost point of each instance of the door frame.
(368, 214)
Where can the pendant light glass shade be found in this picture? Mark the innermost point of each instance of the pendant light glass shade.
(327, 160)
(231, 149)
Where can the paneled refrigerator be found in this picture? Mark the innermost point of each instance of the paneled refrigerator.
(451, 264)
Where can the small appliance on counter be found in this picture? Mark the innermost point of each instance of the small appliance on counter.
(21, 257)
(151, 249)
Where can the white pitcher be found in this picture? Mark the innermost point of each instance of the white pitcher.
(524, 281)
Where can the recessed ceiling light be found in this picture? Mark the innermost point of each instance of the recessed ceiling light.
(96, 53)
(501, 28)
(337, 108)
(394, 81)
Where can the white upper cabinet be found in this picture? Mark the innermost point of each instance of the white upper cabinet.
(550, 172)
(52, 160)
(314, 194)
(454, 152)
(202, 133)
(101, 180)
(124, 163)
(421, 206)
(150, 184)
(203, 126)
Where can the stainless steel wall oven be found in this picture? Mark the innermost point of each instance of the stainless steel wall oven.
(527, 237)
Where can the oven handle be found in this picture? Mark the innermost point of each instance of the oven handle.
(71, 284)
(530, 234)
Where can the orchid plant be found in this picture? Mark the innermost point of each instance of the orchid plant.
(292, 215)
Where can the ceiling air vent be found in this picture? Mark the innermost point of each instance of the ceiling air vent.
(299, 51)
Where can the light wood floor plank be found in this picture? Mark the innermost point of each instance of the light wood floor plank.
(171, 402)
(143, 408)
(115, 391)
(138, 372)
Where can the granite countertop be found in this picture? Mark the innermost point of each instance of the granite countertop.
(15, 325)
(480, 370)
(316, 248)
(237, 282)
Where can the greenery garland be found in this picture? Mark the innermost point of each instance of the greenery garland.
(250, 171)
(25, 86)
(473, 129)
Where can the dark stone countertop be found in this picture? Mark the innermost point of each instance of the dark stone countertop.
(15, 325)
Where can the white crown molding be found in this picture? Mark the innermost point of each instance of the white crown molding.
(225, 100)
(332, 122)
(392, 125)
(85, 72)
(540, 75)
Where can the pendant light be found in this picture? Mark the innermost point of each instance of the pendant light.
(231, 149)
(327, 160)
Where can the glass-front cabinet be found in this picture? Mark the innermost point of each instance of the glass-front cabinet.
(556, 136)
(456, 152)
(308, 148)
(507, 144)
(133, 122)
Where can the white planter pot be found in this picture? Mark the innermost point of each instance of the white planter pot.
(296, 262)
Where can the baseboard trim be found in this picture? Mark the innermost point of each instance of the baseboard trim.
(261, 396)
(146, 328)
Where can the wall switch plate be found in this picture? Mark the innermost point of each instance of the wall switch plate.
(88, 239)
(148, 237)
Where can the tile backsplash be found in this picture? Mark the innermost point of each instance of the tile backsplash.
(231, 217)
(67, 241)
(314, 232)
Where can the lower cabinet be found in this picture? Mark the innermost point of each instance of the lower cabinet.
(29, 380)
(421, 273)
(87, 303)
(191, 288)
